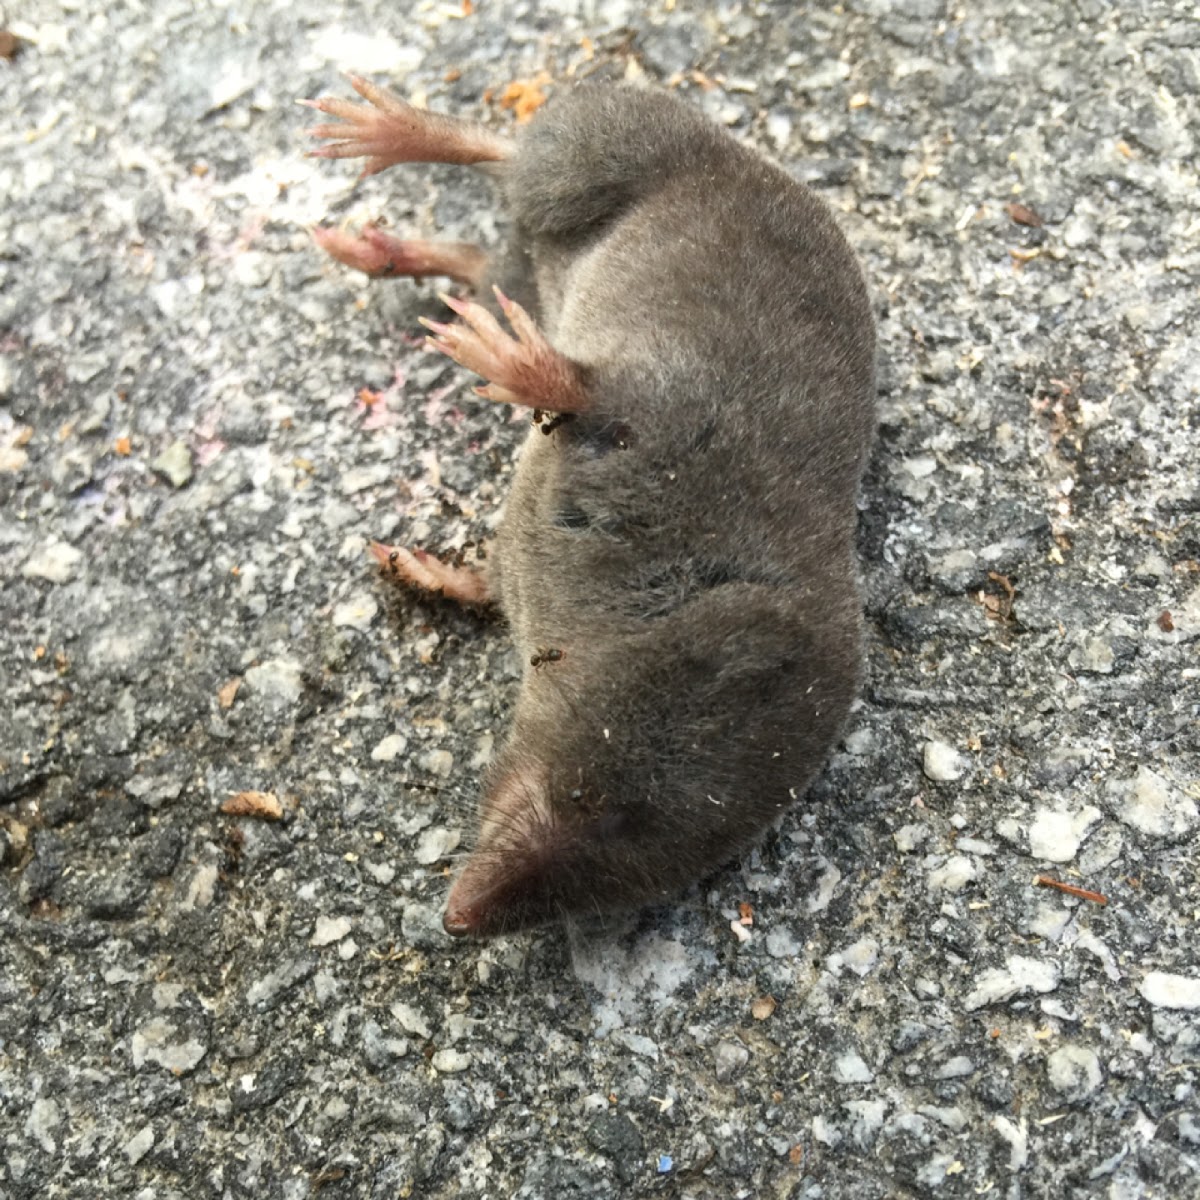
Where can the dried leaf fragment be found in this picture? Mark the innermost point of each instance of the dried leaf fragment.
(225, 695)
(762, 1008)
(1019, 214)
(525, 96)
(264, 805)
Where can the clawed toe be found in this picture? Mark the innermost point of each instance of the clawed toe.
(524, 369)
(421, 571)
(388, 130)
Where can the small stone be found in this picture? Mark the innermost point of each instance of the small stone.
(867, 1120)
(825, 1132)
(942, 762)
(860, 743)
(909, 837)
(1164, 990)
(329, 930)
(174, 464)
(412, 1020)
(958, 1067)
(858, 957)
(953, 875)
(159, 1042)
(637, 1042)
(781, 943)
(356, 613)
(56, 561)
(1020, 976)
(953, 1119)
(435, 844)
(379, 1049)
(1074, 1071)
(728, 1060)
(382, 873)
(278, 681)
(266, 992)
(438, 762)
(44, 1118)
(938, 368)
(956, 572)
(1153, 806)
(1017, 1137)
(139, 1145)
(451, 1061)
(1055, 836)
(390, 747)
(850, 1068)
(252, 268)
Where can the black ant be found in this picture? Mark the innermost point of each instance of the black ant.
(541, 657)
(548, 423)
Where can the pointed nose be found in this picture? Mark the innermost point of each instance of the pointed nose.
(457, 923)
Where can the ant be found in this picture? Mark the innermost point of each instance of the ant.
(541, 657)
(547, 422)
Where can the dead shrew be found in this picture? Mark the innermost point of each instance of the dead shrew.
(685, 540)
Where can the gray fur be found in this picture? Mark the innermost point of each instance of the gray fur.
(688, 541)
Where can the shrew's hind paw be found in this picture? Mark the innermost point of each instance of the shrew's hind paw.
(419, 570)
(388, 130)
(524, 369)
(377, 253)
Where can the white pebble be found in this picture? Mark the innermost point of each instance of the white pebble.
(329, 929)
(1055, 836)
(44, 1117)
(390, 747)
(1164, 990)
(435, 844)
(1017, 1137)
(155, 1042)
(1152, 806)
(829, 880)
(1074, 1071)
(139, 1145)
(909, 837)
(958, 1067)
(356, 613)
(450, 1062)
(943, 763)
(953, 875)
(850, 1068)
(1020, 976)
(438, 762)
(411, 1020)
(56, 561)
(859, 957)
(824, 1132)
(278, 680)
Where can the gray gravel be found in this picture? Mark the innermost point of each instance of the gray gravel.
(202, 1004)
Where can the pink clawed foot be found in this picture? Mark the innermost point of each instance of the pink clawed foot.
(524, 369)
(389, 130)
(420, 570)
(377, 253)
